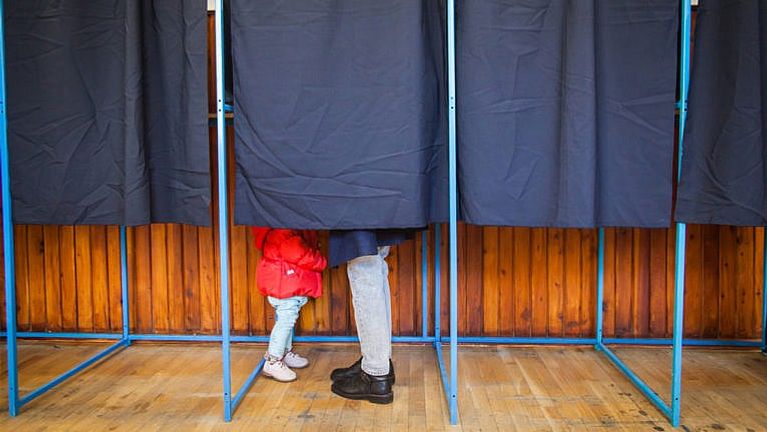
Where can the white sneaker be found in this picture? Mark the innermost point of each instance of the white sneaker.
(278, 370)
(295, 361)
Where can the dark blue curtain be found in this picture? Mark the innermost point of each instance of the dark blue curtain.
(724, 174)
(107, 111)
(566, 112)
(339, 113)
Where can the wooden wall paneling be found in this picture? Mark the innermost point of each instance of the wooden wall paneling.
(339, 300)
(759, 250)
(556, 262)
(670, 269)
(99, 279)
(573, 284)
(539, 281)
(710, 274)
(641, 281)
(239, 284)
(490, 281)
(431, 275)
(406, 281)
(608, 303)
(176, 283)
(83, 275)
(114, 279)
(445, 281)
(22, 285)
(462, 306)
(142, 291)
(191, 278)
(624, 282)
(419, 283)
(658, 283)
(745, 304)
(587, 307)
(322, 305)
(523, 304)
(727, 283)
(52, 288)
(473, 289)
(693, 297)
(507, 312)
(36, 276)
(159, 280)
(393, 262)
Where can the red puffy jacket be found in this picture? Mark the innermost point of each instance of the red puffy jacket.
(290, 265)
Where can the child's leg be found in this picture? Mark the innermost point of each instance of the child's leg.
(302, 302)
(286, 314)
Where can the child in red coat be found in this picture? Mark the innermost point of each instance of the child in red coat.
(290, 271)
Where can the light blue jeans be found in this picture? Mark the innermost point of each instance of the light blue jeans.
(285, 316)
(371, 297)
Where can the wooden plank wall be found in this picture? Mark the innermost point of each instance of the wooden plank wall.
(513, 281)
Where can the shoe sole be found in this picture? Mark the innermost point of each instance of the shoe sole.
(278, 380)
(373, 398)
(298, 367)
(343, 377)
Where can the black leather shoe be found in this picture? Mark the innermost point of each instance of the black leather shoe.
(355, 369)
(375, 389)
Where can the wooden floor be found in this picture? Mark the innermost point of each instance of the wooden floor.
(177, 387)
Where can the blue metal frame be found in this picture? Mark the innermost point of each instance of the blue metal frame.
(15, 401)
(223, 222)
(453, 227)
(9, 264)
(431, 340)
(449, 381)
(672, 410)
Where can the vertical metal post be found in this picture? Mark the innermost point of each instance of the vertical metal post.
(223, 211)
(425, 283)
(124, 283)
(764, 297)
(681, 228)
(437, 286)
(8, 249)
(600, 288)
(453, 181)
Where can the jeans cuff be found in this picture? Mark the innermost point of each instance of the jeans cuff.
(376, 371)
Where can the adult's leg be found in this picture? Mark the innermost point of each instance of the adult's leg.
(372, 310)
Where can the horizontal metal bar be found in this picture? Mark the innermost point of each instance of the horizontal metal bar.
(638, 382)
(686, 342)
(264, 339)
(491, 340)
(75, 370)
(399, 339)
(442, 371)
(50, 335)
(521, 340)
(248, 383)
(175, 338)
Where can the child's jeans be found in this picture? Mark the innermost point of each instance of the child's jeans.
(286, 314)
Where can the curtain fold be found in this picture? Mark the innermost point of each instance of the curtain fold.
(339, 113)
(566, 112)
(724, 174)
(107, 111)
